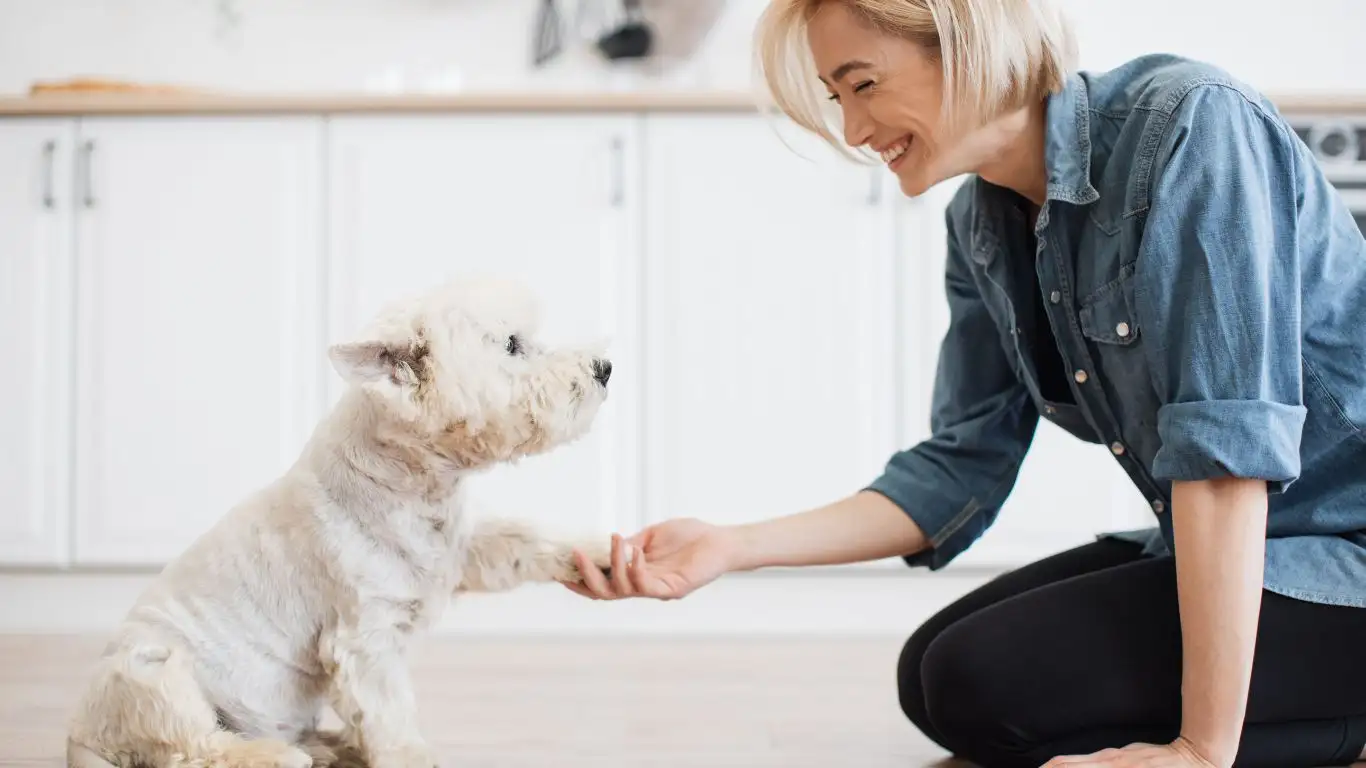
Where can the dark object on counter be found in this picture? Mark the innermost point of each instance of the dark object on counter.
(548, 43)
(633, 39)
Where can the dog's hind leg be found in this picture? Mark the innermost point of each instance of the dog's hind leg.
(144, 709)
(330, 749)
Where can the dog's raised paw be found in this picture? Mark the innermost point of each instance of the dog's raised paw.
(599, 554)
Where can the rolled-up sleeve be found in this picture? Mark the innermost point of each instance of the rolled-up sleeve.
(1218, 293)
(982, 422)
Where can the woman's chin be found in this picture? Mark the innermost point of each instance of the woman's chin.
(913, 184)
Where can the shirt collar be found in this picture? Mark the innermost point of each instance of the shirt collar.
(1067, 161)
(1067, 144)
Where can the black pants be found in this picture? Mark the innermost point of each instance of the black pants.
(1082, 651)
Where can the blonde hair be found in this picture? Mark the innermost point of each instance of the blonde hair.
(997, 56)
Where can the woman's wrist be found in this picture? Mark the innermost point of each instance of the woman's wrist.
(742, 545)
(1213, 752)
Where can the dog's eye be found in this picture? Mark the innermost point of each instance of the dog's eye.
(514, 345)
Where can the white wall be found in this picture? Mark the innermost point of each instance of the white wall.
(297, 45)
(303, 45)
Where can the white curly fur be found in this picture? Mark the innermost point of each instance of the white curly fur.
(307, 593)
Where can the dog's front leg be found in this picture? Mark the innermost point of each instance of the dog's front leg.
(504, 554)
(373, 695)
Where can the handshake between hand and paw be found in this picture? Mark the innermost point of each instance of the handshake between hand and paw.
(666, 561)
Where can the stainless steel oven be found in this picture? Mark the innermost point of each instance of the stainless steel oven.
(1339, 143)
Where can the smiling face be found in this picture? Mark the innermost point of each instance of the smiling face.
(890, 92)
(936, 88)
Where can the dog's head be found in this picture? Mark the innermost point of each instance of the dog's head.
(462, 370)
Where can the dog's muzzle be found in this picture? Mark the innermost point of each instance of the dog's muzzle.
(602, 371)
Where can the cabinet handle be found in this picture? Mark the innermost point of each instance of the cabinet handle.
(875, 187)
(49, 155)
(87, 161)
(618, 193)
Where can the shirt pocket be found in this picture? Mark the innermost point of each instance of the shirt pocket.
(1109, 322)
(1107, 314)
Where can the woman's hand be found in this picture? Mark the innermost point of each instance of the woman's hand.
(1178, 754)
(665, 561)
(675, 557)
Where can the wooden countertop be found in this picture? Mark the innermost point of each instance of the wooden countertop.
(509, 101)
(57, 104)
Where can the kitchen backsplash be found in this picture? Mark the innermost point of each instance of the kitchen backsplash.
(311, 45)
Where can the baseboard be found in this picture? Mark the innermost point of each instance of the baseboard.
(873, 602)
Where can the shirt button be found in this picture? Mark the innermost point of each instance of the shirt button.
(1117, 449)
(1158, 506)
(1080, 376)
(1122, 329)
(1055, 297)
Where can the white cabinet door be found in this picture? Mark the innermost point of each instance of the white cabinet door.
(35, 339)
(200, 351)
(1068, 491)
(551, 201)
(771, 348)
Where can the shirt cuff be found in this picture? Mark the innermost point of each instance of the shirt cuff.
(950, 526)
(1209, 439)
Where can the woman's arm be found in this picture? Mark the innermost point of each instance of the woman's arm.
(1217, 296)
(1220, 533)
(865, 526)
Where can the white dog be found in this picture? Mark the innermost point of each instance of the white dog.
(307, 594)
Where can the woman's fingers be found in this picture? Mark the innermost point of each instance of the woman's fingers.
(642, 540)
(628, 575)
(593, 579)
(645, 583)
(579, 589)
(621, 582)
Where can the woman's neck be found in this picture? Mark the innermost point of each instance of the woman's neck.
(1019, 163)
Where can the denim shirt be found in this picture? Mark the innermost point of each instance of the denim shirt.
(1206, 286)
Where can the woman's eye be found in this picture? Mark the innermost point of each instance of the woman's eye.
(857, 89)
(514, 345)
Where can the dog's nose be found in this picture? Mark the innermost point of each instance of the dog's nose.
(602, 371)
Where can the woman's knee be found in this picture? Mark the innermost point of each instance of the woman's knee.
(968, 692)
(910, 688)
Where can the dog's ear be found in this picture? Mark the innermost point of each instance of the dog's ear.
(367, 361)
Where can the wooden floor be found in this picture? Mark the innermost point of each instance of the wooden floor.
(623, 702)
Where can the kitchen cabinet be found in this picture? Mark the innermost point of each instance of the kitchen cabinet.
(770, 299)
(773, 312)
(1067, 492)
(198, 323)
(552, 201)
(35, 340)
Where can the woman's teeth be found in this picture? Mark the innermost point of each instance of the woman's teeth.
(893, 152)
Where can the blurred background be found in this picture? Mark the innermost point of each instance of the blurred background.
(199, 195)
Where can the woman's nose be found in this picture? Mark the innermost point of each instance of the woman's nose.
(858, 129)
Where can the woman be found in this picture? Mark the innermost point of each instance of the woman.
(1149, 258)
